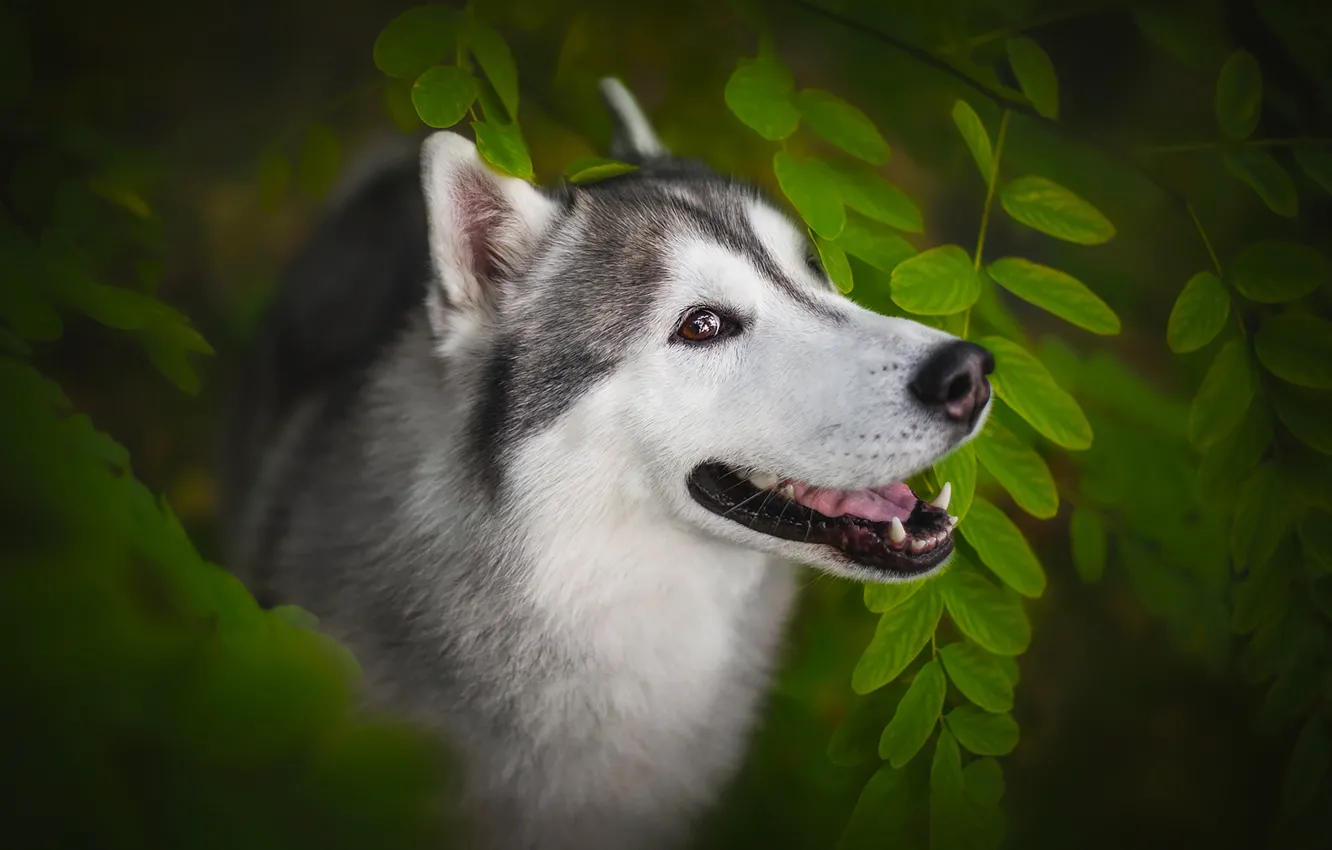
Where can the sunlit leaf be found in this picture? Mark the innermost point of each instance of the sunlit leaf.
(1297, 347)
(959, 470)
(1058, 292)
(1035, 74)
(443, 94)
(835, 264)
(416, 39)
(916, 716)
(936, 282)
(989, 615)
(1199, 314)
(876, 246)
(1046, 206)
(502, 146)
(842, 124)
(1239, 95)
(1086, 533)
(1271, 272)
(1026, 385)
(977, 674)
(496, 60)
(869, 194)
(973, 133)
(590, 169)
(981, 732)
(899, 637)
(1223, 397)
(1003, 548)
(760, 92)
(811, 186)
(884, 596)
(1018, 469)
(1266, 177)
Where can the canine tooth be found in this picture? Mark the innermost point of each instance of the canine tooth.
(764, 480)
(896, 532)
(788, 491)
(952, 521)
(945, 496)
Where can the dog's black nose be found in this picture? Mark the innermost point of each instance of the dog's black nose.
(953, 380)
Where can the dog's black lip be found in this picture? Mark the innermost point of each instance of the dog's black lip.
(727, 493)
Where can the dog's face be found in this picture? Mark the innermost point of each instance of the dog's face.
(687, 321)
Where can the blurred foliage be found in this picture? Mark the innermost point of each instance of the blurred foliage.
(1128, 203)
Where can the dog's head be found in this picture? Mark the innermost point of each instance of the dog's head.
(669, 336)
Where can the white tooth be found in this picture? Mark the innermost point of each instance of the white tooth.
(952, 521)
(788, 491)
(764, 480)
(945, 496)
(896, 532)
(917, 546)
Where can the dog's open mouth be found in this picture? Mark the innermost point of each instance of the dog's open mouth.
(887, 527)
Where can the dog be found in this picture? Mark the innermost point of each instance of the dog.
(547, 461)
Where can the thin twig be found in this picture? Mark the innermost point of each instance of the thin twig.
(989, 191)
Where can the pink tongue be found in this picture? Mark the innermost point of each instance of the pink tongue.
(879, 504)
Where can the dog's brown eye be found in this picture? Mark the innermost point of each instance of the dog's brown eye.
(700, 326)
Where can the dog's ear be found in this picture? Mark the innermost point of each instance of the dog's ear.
(482, 225)
(634, 140)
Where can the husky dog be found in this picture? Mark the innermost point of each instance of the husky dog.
(545, 462)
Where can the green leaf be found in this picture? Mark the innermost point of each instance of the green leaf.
(1316, 160)
(936, 282)
(274, 173)
(1306, 414)
(916, 716)
(947, 795)
(495, 58)
(1003, 549)
(1026, 385)
(1199, 314)
(1227, 463)
(842, 124)
(320, 161)
(973, 133)
(502, 146)
(959, 469)
(899, 637)
(1307, 767)
(984, 780)
(1297, 347)
(1263, 515)
(811, 186)
(856, 739)
(1035, 74)
(1223, 397)
(878, 247)
(416, 39)
(978, 676)
(981, 732)
(881, 597)
(1239, 96)
(867, 193)
(1057, 292)
(1266, 177)
(1018, 469)
(1087, 535)
(113, 306)
(989, 615)
(835, 264)
(295, 615)
(759, 93)
(884, 812)
(1272, 272)
(443, 95)
(1046, 206)
(590, 169)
